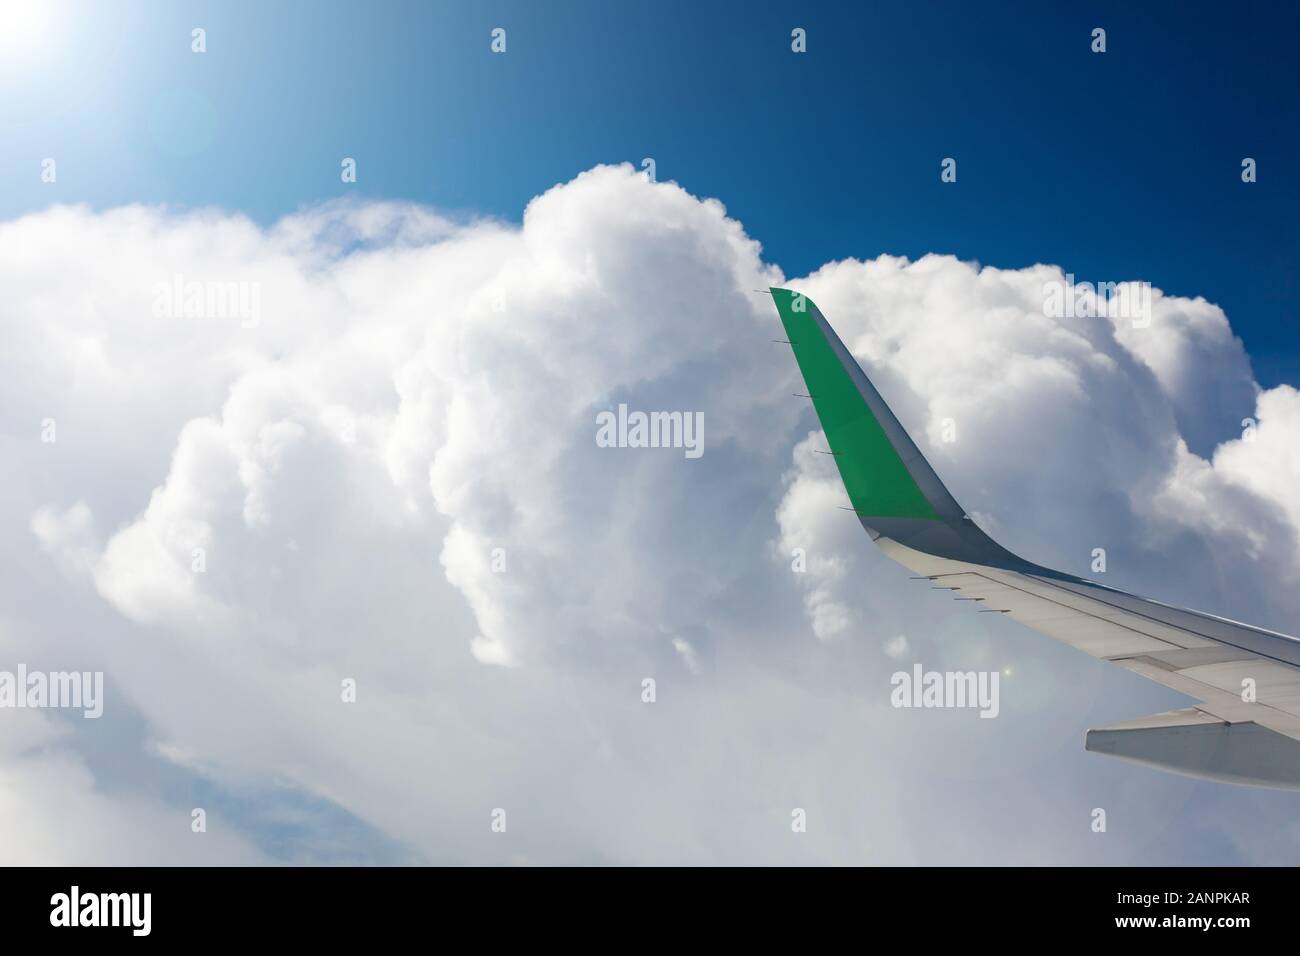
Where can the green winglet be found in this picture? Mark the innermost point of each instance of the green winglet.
(874, 475)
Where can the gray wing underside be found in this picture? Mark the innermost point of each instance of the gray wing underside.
(1245, 727)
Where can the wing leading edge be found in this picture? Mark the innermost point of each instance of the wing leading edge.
(912, 517)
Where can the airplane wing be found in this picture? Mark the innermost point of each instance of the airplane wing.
(1245, 728)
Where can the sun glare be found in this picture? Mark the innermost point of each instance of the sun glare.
(22, 24)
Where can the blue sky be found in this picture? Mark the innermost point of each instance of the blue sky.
(1115, 166)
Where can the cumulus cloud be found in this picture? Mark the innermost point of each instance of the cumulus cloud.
(392, 479)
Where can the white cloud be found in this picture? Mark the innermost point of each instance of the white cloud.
(55, 813)
(897, 647)
(419, 393)
(687, 654)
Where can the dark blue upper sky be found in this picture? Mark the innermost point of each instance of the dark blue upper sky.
(1119, 165)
